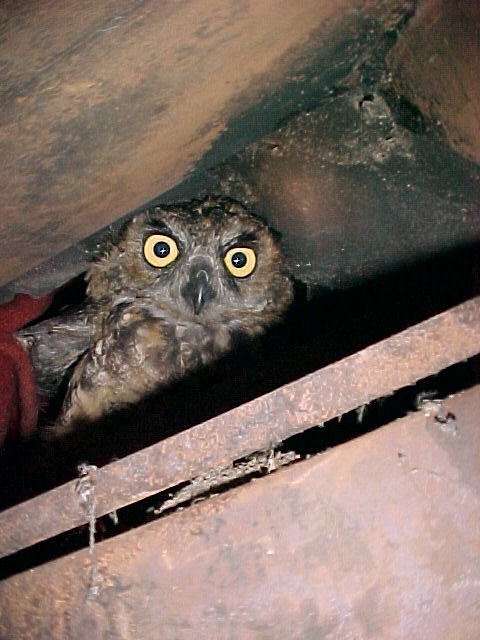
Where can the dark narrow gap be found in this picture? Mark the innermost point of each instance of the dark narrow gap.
(311, 442)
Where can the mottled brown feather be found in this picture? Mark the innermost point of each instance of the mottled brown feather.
(139, 329)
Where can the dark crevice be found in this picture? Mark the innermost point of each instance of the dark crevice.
(373, 72)
(404, 112)
(368, 97)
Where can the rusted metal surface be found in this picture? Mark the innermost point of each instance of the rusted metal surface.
(377, 371)
(377, 538)
(105, 107)
(435, 64)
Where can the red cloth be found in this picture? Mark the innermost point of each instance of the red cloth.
(19, 401)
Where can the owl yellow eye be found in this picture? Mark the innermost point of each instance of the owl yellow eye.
(160, 250)
(240, 261)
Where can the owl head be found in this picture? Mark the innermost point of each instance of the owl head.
(205, 262)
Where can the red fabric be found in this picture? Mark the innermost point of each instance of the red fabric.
(19, 401)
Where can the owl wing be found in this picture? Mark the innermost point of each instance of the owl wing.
(56, 344)
(134, 356)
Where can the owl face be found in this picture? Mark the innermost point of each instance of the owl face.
(204, 262)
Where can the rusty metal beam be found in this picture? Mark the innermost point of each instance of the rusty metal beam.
(377, 538)
(400, 360)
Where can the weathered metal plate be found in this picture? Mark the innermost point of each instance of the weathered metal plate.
(374, 372)
(375, 539)
(105, 107)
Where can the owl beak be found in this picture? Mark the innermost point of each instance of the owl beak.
(199, 290)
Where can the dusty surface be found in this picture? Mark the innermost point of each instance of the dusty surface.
(374, 539)
(105, 107)
(354, 192)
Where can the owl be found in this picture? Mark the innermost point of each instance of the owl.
(180, 286)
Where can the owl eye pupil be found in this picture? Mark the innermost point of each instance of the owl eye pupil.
(239, 259)
(161, 249)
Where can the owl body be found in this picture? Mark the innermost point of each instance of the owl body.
(178, 289)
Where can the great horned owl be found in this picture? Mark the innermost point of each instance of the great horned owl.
(174, 292)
